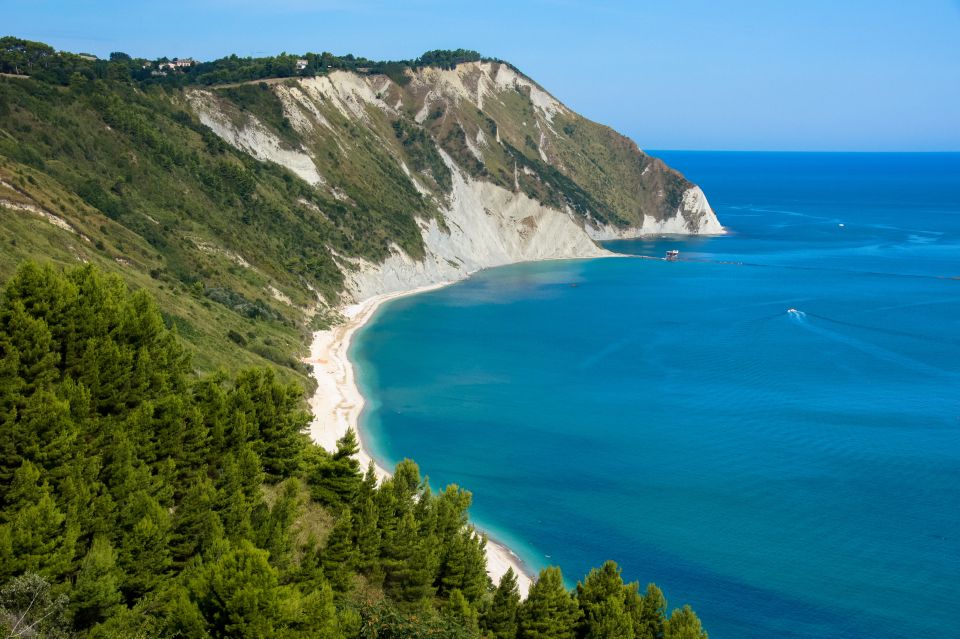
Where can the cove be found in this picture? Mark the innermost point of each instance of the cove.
(769, 428)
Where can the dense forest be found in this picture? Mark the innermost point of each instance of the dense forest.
(139, 499)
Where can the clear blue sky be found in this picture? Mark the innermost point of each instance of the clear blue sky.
(672, 74)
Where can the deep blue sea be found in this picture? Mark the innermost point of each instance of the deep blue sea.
(788, 473)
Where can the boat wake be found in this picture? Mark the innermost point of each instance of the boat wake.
(867, 348)
(796, 316)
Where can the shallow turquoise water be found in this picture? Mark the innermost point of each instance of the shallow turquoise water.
(790, 474)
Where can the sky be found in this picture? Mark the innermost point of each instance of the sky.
(831, 75)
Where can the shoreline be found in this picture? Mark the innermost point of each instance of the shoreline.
(337, 404)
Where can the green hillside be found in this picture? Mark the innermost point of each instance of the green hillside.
(107, 162)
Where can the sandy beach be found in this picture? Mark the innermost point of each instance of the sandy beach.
(337, 404)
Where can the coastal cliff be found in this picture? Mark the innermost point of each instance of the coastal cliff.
(224, 215)
(255, 207)
(507, 173)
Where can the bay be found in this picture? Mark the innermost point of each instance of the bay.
(768, 428)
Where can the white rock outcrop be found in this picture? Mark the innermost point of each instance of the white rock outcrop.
(694, 216)
(487, 225)
(483, 225)
(252, 137)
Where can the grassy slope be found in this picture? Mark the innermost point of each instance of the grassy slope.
(590, 167)
(175, 210)
(212, 232)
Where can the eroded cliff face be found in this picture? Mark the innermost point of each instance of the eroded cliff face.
(502, 172)
(484, 225)
(693, 216)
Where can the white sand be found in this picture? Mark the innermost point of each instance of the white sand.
(337, 405)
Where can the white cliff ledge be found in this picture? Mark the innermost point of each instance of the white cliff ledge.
(694, 216)
(487, 226)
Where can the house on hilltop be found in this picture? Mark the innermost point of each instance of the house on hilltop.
(176, 64)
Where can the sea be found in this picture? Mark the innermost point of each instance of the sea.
(768, 427)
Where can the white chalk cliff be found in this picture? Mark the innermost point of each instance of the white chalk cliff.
(487, 225)
(522, 183)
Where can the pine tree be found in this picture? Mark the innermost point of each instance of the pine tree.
(164, 422)
(145, 551)
(40, 540)
(92, 310)
(397, 496)
(105, 370)
(46, 433)
(683, 624)
(450, 512)
(160, 364)
(602, 599)
(500, 618)
(84, 499)
(196, 525)
(316, 615)
(406, 483)
(7, 560)
(340, 555)
(368, 487)
(309, 570)
(336, 479)
(210, 399)
(409, 563)
(276, 533)
(464, 565)
(239, 595)
(549, 611)
(25, 489)
(31, 339)
(11, 385)
(460, 610)
(367, 536)
(650, 615)
(388, 510)
(163, 483)
(273, 409)
(97, 589)
(124, 473)
(240, 494)
(194, 445)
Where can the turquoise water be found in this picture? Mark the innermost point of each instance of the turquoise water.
(790, 474)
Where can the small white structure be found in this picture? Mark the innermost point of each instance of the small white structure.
(177, 64)
(301, 64)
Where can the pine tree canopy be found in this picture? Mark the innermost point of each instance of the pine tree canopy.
(139, 499)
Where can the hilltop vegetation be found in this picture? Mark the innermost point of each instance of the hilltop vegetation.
(43, 62)
(138, 499)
